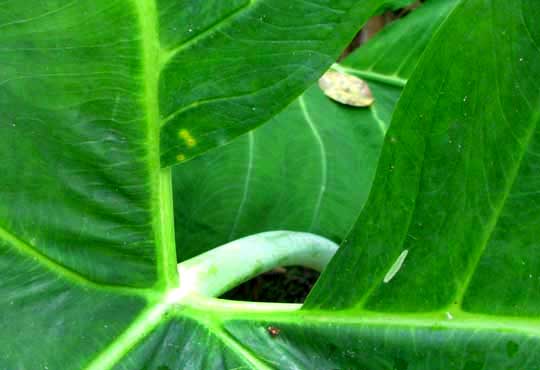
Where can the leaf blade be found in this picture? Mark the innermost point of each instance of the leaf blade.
(446, 159)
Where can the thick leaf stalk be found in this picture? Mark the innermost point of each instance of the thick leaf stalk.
(219, 270)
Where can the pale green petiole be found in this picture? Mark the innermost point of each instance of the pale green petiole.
(221, 269)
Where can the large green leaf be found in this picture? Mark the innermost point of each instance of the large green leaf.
(310, 168)
(456, 186)
(86, 236)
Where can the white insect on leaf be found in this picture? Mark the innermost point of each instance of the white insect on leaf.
(394, 269)
(346, 89)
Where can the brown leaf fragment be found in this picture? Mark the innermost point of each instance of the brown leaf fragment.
(346, 89)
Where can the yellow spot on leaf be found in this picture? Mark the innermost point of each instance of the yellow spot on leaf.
(180, 157)
(188, 139)
(346, 89)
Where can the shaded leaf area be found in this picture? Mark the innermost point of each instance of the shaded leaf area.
(395, 50)
(400, 346)
(329, 341)
(184, 343)
(43, 313)
(309, 170)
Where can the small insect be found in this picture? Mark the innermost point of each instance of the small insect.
(395, 267)
(273, 331)
(346, 89)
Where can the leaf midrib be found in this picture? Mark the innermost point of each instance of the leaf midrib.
(461, 320)
(161, 197)
(215, 313)
(161, 180)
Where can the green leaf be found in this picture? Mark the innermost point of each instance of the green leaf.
(86, 235)
(82, 195)
(81, 187)
(310, 168)
(231, 68)
(86, 244)
(456, 187)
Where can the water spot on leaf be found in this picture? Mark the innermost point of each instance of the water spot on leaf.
(512, 348)
(346, 89)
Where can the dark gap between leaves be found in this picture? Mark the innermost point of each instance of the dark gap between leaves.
(281, 285)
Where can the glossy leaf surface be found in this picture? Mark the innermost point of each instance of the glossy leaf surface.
(86, 236)
(456, 187)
